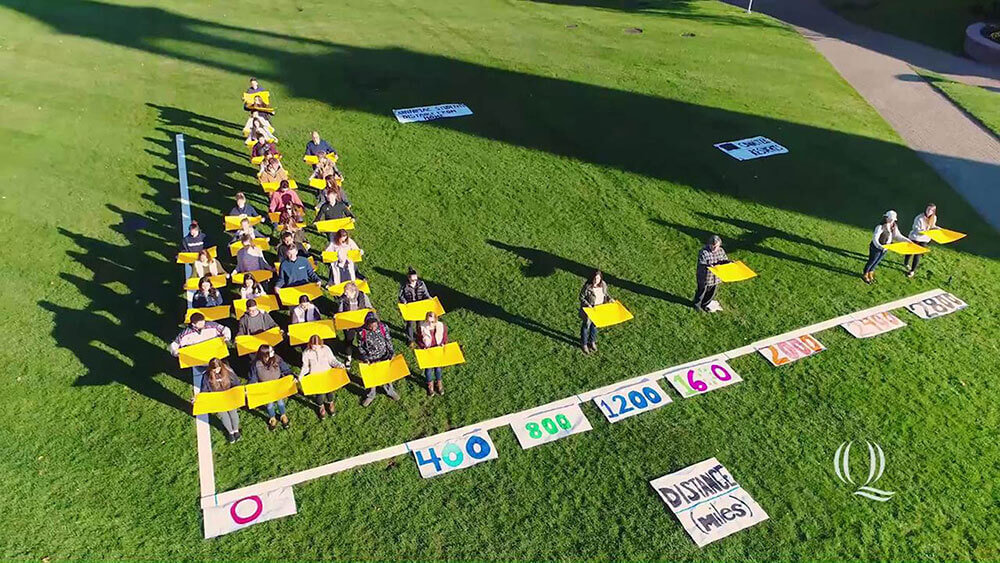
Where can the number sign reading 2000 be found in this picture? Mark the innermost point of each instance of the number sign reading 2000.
(455, 453)
(788, 351)
(548, 426)
(937, 306)
(702, 378)
(631, 400)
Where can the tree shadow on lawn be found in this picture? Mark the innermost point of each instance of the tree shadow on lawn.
(674, 9)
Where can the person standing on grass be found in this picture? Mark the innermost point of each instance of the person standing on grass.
(272, 171)
(325, 167)
(432, 333)
(254, 321)
(922, 222)
(245, 230)
(375, 345)
(205, 265)
(195, 240)
(593, 293)
(295, 270)
(334, 191)
(283, 196)
(254, 86)
(886, 232)
(317, 146)
(336, 209)
(342, 269)
(206, 296)
(250, 258)
(316, 358)
(220, 377)
(268, 366)
(243, 209)
(711, 254)
(305, 311)
(411, 290)
(353, 299)
(291, 236)
(197, 331)
(251, 288)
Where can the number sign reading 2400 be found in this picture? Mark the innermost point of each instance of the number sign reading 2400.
(788, 351)
(455, 453)
(936, 306)
(631, 400)
(548, 426)
(702, 378)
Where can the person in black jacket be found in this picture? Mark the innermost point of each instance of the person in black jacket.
(195, 241)
(413, 289)
(375, 345)
(333, 210)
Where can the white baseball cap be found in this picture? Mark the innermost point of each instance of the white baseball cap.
(890, 215)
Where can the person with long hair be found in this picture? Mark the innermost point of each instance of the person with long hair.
(265, 149)
(432, 332)
(333, 191)
(220, 377)
(353, 299)
(206, 296)
(886, 232)
(324, 167)
(268, 366)
(205, 265)
(304, 312)
(343, 268)
(291, 213)
(593, 293)
(245, 230)
(251, 288)
(316, 358)
(250, 258)
(375, 345)
(923, 222)
(283, 196)
(291, 236)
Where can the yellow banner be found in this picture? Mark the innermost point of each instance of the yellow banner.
(380, 373)
(192, 257)
(233, 221)
(256, 159)
(439, 356)
(299, 333)
(264, 303)
(217, 281)
(290, 295)
(250, 343)
(313, 159)
(211, 313)
(208, 402)
(324, 381)
(203, 352)
(259, 275)
(330, 256)
(273, 186)
(943, 236)
(350, 319)
(270, 391)
(318, 183)
(733, 271)
(338, 290)
(265, 96)
(260, 243)
(334, 225)
(417, 311)
(906, 247)
(608, 314)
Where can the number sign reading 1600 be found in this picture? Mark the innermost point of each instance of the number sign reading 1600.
(702, 378)
(548, 426)
(455, 453)
(631, 400)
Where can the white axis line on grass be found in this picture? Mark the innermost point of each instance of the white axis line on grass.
(206, 468)
(208, 501)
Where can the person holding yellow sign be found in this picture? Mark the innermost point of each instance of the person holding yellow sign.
(375, 345)
(923, 222)
(251, 288)
(195, 240)
(353, 299)
(333, 209)
(250, 258)
(292, 236)
(272, 171)
(430, 333)
(304, 312)
(197, 331)
(220, 377)
(325, 167)
(243, 209)
(256, 128)
(343, 268)
(333, 191)
(206, 296)
(207, 265)
(316, 358)
(885, 233)
(412, 289)
(245, 230)
(593, 293)
(712, 254)
(282, 197)
(317, 146)
(268, 366)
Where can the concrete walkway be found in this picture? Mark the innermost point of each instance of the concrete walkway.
(877, 65)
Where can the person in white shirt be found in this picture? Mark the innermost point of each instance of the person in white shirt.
(305, 311)
(343, 269)
(317, 357)
(922, 222)
(886, 232)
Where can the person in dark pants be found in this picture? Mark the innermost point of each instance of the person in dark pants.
(923, 222)
(594, 292)
(431, 333)
(886, 232)
(411, 290)
(316, 358)
(711, 254)
(353, 299)
(375, 345)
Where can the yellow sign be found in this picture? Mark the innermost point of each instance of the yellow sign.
(273, 186)
(733, 271)
(290, 295)
(265, 96)
(211, 313)
(338, 290)
(192, 257)
(943, 236)
(324, 381)
(233, 221)
(439, 356)
(417, 311)
(330, 256)
(217, 281)
(380, 373)
(250, 343)
(250, 142)
(256, 159)
(208, 402)
(906, 247)
(259, 275)
(313, 159)
(264, 303)
(260, 243)
(270, 391)
(608, 314)
(334, 225)
(300, 333)
(351, 319)
(318, 183)
(202, 353)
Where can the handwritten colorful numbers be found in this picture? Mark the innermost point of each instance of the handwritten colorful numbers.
(631, 400)
(791, 350)
(548, 426)
(456, 453)
(873, 325)
(937, 306)
(703, 378)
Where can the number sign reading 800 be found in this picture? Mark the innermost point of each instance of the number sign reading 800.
(631, 400)
(550, 425)
(456, 453)
(702, 378)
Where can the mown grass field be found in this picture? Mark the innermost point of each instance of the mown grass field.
(982, 104)
(588, 147)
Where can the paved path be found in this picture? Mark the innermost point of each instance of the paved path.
(877, 65)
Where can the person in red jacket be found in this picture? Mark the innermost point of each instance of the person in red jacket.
(431, 333)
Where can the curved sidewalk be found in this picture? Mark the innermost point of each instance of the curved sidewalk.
(877, 65)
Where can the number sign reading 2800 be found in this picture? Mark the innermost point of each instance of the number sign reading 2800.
(702, 378)
(455, 453)
(937, 306)
(542, 427)
(788, 351)
(631, 400)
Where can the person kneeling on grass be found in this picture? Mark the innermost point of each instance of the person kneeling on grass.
(923, 222)
(375, 345)
(430, 333)
(886, 232)
(220, 377)
(206, 296)
(711, 254)
(593, 293)
(268, 366)
(316, 358)
(353, 299)
(295, 270)
(305, 311)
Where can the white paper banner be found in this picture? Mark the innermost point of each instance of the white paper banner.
(430, 113)
(788, 351)
(707, 500)
(702, 378)
(937, 306)
(547, 426)
(873, 325)
(455, 453)
(749, 149)
(247, 511)
(631, 400)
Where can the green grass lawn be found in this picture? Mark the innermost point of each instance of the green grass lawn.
(980, 103)
(932, 22)
(588, 147)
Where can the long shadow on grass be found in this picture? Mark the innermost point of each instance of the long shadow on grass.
(674, 9)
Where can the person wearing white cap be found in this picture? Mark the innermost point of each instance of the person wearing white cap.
(886, 232)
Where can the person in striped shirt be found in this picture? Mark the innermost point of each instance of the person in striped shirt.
(711, 254)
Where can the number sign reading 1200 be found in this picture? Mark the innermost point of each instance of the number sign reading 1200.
(455, 453)
(631, 400)
(702, 378)
(543, 427)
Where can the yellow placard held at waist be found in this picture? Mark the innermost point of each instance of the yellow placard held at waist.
(233, 221)
(439, 356)
(208, 402)
(192, 257)
(211, 313)
(324, 381)
(338, 290)
(380, 373)
(250, 343)
(330, 256)
(300, 333)
(264, 303)
(334, 225)
(906, 247)
(191, 284)
(270, 391)
(608, 314)
(202, 353)
(289, 296)
(249, 97)
(942, 235)
(314, 159)
(272, 186)
(260, 243)
(318, 183)
(259, 275)
(351, 319)
(417, 310)
(733, 271)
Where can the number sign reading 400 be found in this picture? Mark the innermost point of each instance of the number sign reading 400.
(702, 378)
(937, 306)
(455, 453)
(631, 400)
(788, 351)
(548, 426)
